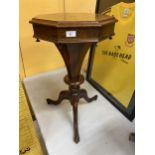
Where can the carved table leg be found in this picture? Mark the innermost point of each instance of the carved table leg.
(83, 94)
(63, 95)
(74, 102)
(73, 95)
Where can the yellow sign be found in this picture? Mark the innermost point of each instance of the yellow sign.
(114, 59)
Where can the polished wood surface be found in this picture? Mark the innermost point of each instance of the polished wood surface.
(73, 19)
(73, 34)
(88, 27)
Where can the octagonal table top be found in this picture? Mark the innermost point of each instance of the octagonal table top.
(73, 19)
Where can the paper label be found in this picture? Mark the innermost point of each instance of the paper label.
(70, 33)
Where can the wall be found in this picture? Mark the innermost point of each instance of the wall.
(80, 6)
(43, 56)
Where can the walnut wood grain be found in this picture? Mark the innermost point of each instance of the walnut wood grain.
(89, 28)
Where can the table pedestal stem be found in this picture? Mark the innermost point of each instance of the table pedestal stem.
(73, 55)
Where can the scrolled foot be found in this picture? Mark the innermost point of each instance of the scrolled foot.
(76, 139)
(83, 94)
(49, 101)
(94, 98)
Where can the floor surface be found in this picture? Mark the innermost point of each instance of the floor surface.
(103, 129)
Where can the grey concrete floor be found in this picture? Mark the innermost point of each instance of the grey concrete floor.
(103, 129)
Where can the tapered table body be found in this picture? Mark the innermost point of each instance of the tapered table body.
(73, 34)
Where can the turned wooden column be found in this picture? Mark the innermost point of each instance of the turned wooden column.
(73, 34)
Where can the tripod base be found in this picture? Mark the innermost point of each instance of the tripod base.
(73, 95)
